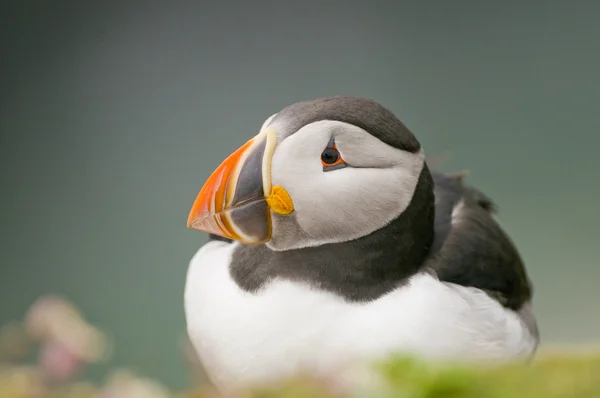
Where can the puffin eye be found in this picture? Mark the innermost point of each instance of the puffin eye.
(331, 157)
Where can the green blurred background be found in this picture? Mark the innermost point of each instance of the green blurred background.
(112, 115)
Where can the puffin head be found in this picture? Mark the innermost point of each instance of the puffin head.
(323, 171)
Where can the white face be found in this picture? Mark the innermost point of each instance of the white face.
(338, 204)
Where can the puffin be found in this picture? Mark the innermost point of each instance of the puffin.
(332, 246)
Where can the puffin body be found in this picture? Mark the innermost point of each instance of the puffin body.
(332, 246)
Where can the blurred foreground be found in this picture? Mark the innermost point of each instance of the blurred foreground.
(65, 344)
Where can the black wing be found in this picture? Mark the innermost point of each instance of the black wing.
(472, 249)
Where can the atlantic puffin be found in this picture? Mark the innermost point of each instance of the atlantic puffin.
(332, 246)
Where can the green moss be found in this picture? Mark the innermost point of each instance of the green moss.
(556, 375)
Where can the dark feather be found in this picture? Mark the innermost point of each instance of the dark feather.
(212, 237)
(475, 251)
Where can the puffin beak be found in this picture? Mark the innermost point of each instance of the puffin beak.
(236, 200)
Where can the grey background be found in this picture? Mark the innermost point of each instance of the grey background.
(112, 115)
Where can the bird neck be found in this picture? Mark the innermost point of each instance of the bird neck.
(360, 270)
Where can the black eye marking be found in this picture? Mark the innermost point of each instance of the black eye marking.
(331, 157)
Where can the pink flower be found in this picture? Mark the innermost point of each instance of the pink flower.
(67, 341)
(58, 362)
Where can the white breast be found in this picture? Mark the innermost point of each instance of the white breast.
(288, 327)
